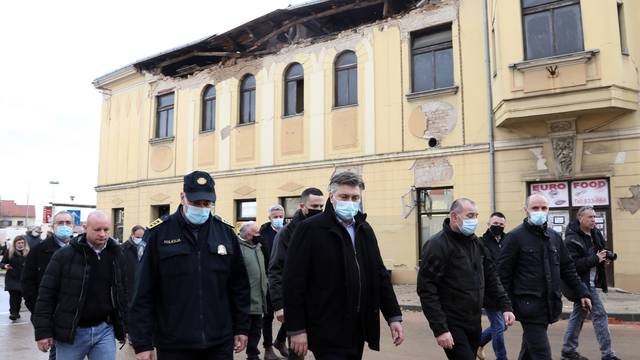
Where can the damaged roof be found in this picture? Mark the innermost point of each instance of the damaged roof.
(269, 33)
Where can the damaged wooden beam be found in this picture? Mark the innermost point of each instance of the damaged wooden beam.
(199, 54)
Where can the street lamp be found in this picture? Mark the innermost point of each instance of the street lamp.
(53, 184)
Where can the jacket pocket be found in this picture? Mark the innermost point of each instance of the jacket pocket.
(528, 306)
(175, 260)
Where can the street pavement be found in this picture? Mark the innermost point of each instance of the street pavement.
(16, 339)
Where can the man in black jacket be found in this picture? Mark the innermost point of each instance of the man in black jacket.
(192, 293)
(335, 283)
(82, 300)
(133, 249)
(33, 236)
(455, 276)
(532, 264)
(586, 246)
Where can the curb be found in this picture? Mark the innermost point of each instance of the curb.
(613, 317)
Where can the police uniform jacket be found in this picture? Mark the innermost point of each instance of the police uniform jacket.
(192, 289)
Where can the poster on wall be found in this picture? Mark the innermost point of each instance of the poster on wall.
(590, 192)
(557, 192)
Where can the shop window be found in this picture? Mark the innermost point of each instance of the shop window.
(209, 108)
(164, 115)
(246, 210)
(294, 90)
(551, 27)
(290, 204)
(248, 99)
(346, 79)
(118, 224)
(433, 208)
(431, 59)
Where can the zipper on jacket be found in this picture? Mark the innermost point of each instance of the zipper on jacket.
(204, 338)
(74, 324)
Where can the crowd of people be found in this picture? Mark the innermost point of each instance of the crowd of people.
(189, 287)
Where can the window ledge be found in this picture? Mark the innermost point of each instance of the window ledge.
(245, 124)
(206, 132)
(344, 107)
(434, 92)
(292, 115)
(162, 140)
(580, 57)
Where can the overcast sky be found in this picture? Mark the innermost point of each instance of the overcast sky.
(52, 50)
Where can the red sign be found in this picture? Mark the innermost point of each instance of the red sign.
(590, 192)
(47, 212)
(556, 192)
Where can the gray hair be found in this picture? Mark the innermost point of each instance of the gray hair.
(275, 207)
(458, 204)
(583, 209)
(53, 221)
(345, 178)
(244, 228)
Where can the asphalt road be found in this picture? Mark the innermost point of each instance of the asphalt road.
(16, 340)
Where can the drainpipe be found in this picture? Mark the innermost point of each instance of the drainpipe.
(492, 174)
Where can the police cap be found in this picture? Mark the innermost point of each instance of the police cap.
(199, 185)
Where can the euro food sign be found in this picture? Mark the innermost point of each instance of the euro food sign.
(590, 192)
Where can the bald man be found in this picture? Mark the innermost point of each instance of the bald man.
(82, 299)
(532, 263)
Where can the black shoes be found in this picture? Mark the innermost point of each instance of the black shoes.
(282, 349)
(572, 356)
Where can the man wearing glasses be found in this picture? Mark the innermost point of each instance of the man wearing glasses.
(191, 298)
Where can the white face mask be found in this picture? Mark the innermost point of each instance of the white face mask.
(136, 240)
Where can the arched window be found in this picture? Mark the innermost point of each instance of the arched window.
(294, 90)
(248, 99)
(346, 79)
(209, 108)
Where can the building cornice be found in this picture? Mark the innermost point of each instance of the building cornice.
(114, 76)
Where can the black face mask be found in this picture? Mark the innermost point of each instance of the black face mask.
(496, 230)
(313, 212)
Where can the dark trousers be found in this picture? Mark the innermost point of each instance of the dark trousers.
(15, 301)
(341, 356)
(267, 327)
(223, 351)
(535, 342)
(466, 342)
(255, 330)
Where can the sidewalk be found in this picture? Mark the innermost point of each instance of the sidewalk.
(621, 306)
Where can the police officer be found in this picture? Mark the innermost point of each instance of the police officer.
(191, 299)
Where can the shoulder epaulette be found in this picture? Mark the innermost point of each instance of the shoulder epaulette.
(222, 220)
(156, 222)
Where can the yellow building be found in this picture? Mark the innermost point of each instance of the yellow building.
(397, 91)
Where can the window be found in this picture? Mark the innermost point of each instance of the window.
(346, 79)
(432, 59)
(622, 28)
(294, 90)
(20, 223)
(118, 224)
(246, 210)
(164, 116)
(248, 100)
(551, 27)
(290, 204)
(209, 108)
(158, 211)
(433, 208)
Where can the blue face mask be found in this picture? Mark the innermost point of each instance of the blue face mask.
(538, 217)
(64, 232)
(197, 215)
(468, 226)
(346, 210)
(277, 223)
(136, 240)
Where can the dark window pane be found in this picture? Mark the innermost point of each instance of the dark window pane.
(252, 117)
(213, 114)
(244, 107)
(423, 72)
(537, 29)
(299, 96)
(290, 108)
(162, 124)
(353, 86)
(567, 28)
(444, 68)
(210, 92)
(294, 71)
(431, 39)
(342, 80)
(170, 122)
(165, 100)
(529, 3)
(208, 115)
(249, 82)
(347, 58)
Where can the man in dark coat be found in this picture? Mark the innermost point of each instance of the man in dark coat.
(33, 236)
(311, 204)
(492, 240)
(82, 299)
(192, 293)
(268, 232)
(133, 250)
(335, 283)
(586, 246)
(455, 275)
(532, 264)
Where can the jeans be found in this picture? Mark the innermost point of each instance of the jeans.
(535, 342)
(466, 342)
(495, 333)
(255, 330)
(96, 342)
(600, 325)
